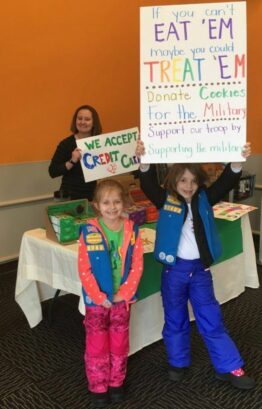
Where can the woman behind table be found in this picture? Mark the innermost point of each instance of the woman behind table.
(187, 245)
(66, 159)
(110, 264)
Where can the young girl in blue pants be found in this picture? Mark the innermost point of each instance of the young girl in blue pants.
(187, 244)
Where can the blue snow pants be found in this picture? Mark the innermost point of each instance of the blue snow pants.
(188, 280)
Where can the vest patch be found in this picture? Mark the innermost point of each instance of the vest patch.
(133, 239)
(95, 247)
(173, 200)
(171, 208)
(91, 229)
(94, 238)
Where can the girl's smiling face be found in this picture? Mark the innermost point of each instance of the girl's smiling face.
(186, 185)
(110, 206)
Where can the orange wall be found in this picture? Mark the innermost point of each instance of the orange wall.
(59, 54)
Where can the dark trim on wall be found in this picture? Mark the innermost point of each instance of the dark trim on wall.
(9, 267)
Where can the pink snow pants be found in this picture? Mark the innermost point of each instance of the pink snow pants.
(107, 346)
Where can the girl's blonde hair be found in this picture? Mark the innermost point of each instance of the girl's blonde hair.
(177, 170)
(108, 185)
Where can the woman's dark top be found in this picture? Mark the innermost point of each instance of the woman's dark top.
(73, 183)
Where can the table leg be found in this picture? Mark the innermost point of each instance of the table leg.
(51, 308)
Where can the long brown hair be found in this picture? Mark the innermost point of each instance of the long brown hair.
(177, 170)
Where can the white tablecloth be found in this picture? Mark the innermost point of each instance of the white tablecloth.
(45, 266)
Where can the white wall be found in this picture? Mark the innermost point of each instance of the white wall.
(254, 166)
(25, 191)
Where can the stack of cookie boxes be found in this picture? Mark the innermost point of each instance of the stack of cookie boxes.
(142, 211)
(64, 220)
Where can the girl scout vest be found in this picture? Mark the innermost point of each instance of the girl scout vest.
(100, 260)
(170, 223)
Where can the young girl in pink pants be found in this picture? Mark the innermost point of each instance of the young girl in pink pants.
(110, 263)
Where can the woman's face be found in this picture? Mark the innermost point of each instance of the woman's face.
(186, 185)
(84, 122)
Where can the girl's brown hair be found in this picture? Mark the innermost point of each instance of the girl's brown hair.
(177, 170)
(109, 185)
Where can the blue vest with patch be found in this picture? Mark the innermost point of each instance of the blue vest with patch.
(98, 253)
(169, 227)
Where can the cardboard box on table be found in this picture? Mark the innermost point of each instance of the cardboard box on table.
(137, 214)
(140, 200)
(64, 219)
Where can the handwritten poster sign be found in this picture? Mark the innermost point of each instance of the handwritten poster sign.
(193, 82)
(109, 154)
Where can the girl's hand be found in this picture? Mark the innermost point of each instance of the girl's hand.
(106, 303)
(246, 152)
(140, 148)
(117, 298)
